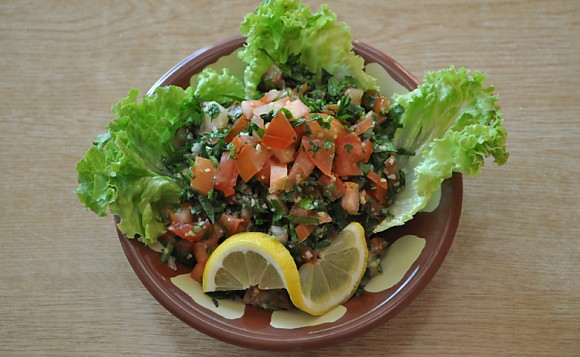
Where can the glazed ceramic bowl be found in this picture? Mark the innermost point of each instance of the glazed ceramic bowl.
(363, 313)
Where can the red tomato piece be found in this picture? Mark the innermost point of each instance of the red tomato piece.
(250, 157)
(303, 230)
(192, 232)
(232, 224)
(367, 150)
(348, 156)
(284, 156)
(350, 201)
(181, 215)
(226, 175)
(321, 152)
(239, 125)
(248, 107)
(278, 176)
(297, 108)
(204, 173)
(333, 187)
(377, 179)
(301, 169)
(279, 134)
(336, 130)
(362, 126)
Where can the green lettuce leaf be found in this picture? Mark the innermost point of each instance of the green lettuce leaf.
(279, 29)
(451, 122)
(219, 87)
(125, 168)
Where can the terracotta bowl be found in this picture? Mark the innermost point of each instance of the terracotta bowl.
(363, 313)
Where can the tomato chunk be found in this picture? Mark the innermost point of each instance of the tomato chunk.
(250, 156)
(377, 179)
(239, 125)
(279, 134)
(284, 156)
(321, 152)
(333, 187)
(350, 201)
(226, 175)
(303, 230)
(367, 150)
(297, 108)
(278, 176)
(301, 169)
(349, 154)
(204, 172)
(362, 126)
(232, 224)
(192, 232)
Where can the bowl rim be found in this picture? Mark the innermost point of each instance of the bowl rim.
(212, 325)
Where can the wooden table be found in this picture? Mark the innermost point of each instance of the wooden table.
(509, 286)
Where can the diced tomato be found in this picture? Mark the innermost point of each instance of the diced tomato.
(197, 272)
(279, 134)
(314, 130)
(297, 108)
(231, 223)
(303, 230)
(181, 215)
(321, 216)
(272, 106)
(271, 96)
(336, 130)
(308, 254)
(264, 174)
(350, 201)
(201, 251)
(348, 156)
(226, 175)
(378, 245)
(193, 232)
(242, 140)
(367, 150)
(333, 187)
(239, 125)
(362, 126)
(203, 172)
(248, 107)
(379, 194)
(377, 179)
(321, 152)
(250, 156)
(381, 104)
(284, 156)
(301, 169)
(278, 176)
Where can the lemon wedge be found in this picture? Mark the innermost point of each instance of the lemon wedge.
(257, 259)
(333, 279)
(251, 259)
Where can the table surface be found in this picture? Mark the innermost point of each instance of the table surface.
(509, 286)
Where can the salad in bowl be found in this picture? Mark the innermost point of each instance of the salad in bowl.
(271, 184)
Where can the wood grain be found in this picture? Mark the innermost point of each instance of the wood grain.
(509, 285)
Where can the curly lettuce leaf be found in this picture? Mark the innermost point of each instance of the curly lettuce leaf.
(280, 29)
(124, 170)
(218, 87)
(452, 123)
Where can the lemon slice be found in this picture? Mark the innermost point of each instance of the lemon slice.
(251, 259)
(257, 259)
(333, 279)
